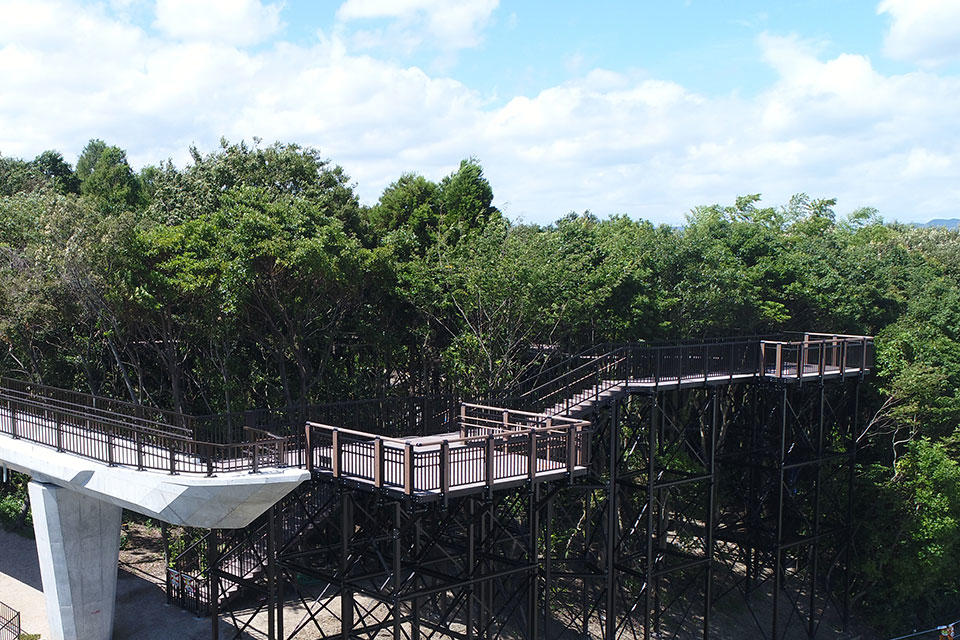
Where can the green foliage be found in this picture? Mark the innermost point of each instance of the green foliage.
(912, 561)
(106, 177)
(14, 505)
(253, 277)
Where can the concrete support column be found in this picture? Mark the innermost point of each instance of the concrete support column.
(78, 542)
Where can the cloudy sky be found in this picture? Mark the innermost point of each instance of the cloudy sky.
(638, 107)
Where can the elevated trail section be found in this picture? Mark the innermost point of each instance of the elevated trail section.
(492, 449)
(93, 444)
(141, 459)
(90, 456)
(577, 385)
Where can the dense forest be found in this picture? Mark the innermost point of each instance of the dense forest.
(254, 277)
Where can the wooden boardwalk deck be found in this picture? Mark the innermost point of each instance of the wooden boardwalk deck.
(581, 403)
(494, 449)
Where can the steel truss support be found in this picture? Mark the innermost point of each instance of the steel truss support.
(408, 571)
(734, 495)
(704, 507)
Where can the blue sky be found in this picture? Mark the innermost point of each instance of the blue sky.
(643, 108)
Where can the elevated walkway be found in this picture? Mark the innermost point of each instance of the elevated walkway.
(577, 385)
(493, 449)
(89, 457)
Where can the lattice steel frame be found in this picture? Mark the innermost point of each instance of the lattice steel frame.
(702, 503)
(714, 501)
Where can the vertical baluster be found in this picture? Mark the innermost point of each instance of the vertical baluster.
(173, 458)
(335, 452)
(532, 463)
(58, 425)
(489, 462)
(378, 463)
(445, 469)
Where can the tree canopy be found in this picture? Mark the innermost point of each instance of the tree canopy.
(254, 277)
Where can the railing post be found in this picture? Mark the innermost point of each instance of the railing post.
(571, 448)
(805, 346)
(444, 467)
(138, 437)
(730, 361)
(408, 468)
(210, 451)
(823, 358)
(843, 357)
(308, 446)
(58, 428)
(779, 360)
(110, 461)
(13, 420)
(378, 463)
(335, 453)
(683, 361)
(506, 420)
(763, 359)
(549, 426)
(173, 457)
(863, 357)
(489, 462)
(256, 457)
(532, 464)
(706, 362)
(657, 368)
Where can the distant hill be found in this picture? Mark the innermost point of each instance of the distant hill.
(947, 223)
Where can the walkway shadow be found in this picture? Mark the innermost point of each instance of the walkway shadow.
(18, 559)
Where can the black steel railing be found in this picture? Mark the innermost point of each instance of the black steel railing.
(493, 445)
(594, 372)
(242, 553)
(122, 433)
(125, 437)
(9, 623)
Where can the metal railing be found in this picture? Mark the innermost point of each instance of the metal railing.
(9, 623)
(393, 416)
(119, 436)
(121, 433)
(816, 355)
(493, 445)
(596, 371)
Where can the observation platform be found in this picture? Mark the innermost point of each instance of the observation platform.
(575, 387)
(493, 449)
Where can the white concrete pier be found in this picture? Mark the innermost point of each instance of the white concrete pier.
(77, 505)
(78, 542)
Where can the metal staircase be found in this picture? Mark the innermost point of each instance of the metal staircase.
(242, 554)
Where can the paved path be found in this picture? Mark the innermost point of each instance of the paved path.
(142, 610)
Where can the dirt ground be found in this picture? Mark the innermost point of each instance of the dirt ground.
(142, 611)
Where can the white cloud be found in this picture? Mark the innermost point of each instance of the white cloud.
(441, 24)
(923, 31)
(605, 141)
(237, 22)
